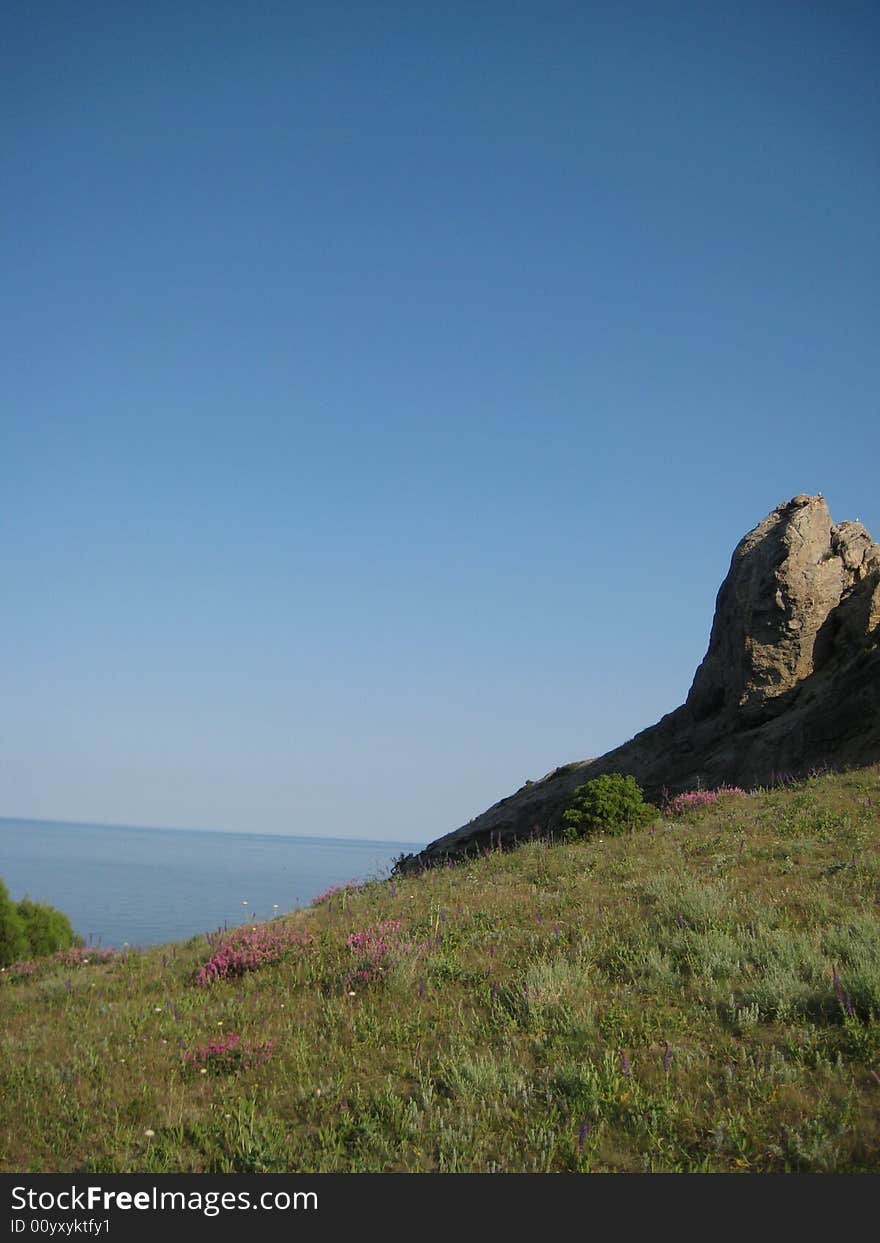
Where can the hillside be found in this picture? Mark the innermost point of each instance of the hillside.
(700, 995)
(790, 682)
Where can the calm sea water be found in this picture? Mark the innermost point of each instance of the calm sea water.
(146, 886)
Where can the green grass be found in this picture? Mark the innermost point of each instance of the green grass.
(663, 1001)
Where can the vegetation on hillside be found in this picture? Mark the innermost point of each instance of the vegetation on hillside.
(607, 804)
(700, 993)
(31, 929)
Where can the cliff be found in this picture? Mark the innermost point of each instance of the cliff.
(790, 682)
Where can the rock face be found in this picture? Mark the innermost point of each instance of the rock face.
(786, 579)
(790, 681)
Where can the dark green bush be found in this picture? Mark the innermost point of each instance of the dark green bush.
(607, 805)
(13, 941)
(46, 929)
(31, 929)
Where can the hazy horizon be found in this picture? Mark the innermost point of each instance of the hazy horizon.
(385, 392)
(207, 828)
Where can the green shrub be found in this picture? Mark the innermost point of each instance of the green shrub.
(31, 930)
(607, 805)
(13, 941)
(46, 929)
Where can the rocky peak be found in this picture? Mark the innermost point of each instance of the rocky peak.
(786, 577)
(858, 552)
(790, 681)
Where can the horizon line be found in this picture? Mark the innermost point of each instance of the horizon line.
(177, 828)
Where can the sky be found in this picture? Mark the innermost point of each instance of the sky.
(385, 387)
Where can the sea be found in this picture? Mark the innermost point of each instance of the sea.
(137, 887)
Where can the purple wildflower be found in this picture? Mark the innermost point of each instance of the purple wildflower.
(842, 995)
(228, 1053)
(376, 948)
(246, 949)
(692, 799)
(350, 886)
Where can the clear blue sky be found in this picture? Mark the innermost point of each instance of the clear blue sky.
(385, 387)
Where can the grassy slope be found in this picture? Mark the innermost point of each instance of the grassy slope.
(521, 1024)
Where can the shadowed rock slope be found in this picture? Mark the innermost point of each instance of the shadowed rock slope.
(790, 682)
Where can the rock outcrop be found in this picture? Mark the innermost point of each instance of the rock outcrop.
(790, 682)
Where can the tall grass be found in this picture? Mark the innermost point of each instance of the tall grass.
(698, 995)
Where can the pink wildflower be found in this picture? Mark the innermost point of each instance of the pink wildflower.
(690, 800)
(247, 949)
(350, 886)
(376, 948)
(229, 1053)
